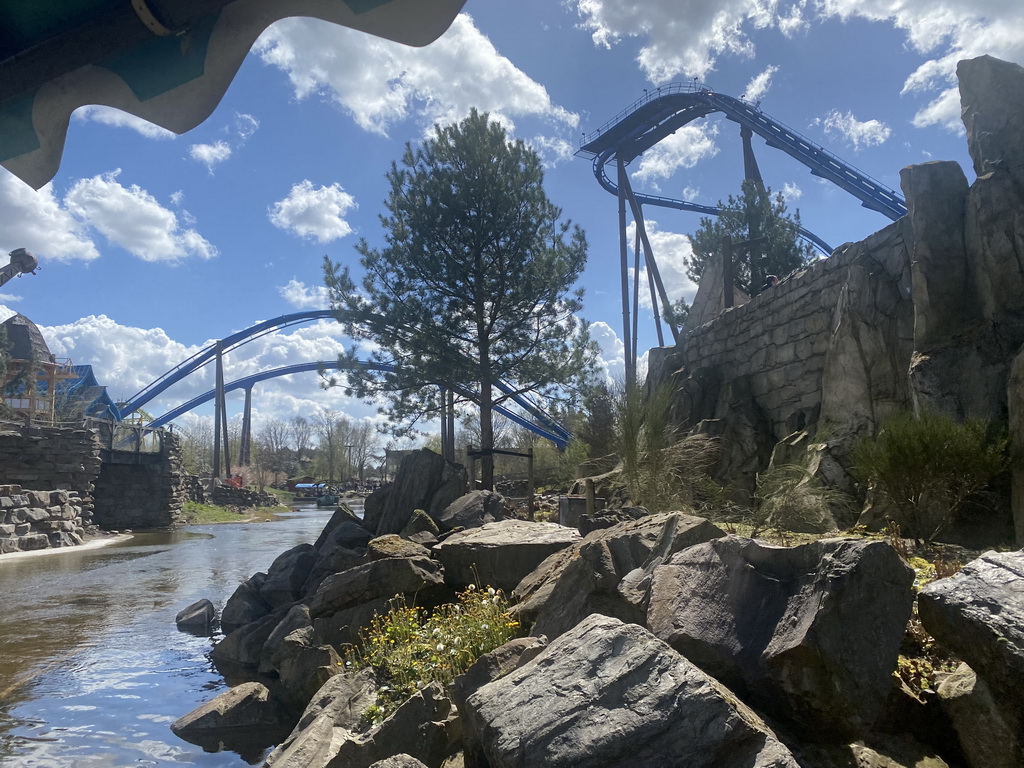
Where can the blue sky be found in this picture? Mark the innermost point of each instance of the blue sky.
(153, 244)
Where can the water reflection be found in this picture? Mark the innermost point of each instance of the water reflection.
(92, 668)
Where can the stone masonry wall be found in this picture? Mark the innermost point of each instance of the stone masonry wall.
(31, 520)
(782, 342)
(51, 457)
(148, 495)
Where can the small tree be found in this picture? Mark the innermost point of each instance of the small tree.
(928, 465)
(473, 286)
(754, 214)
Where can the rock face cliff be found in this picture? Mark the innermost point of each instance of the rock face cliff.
(928, 311)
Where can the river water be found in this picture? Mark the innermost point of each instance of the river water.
(92, 668)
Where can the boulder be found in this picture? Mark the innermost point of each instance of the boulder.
(810, 633)
(487, 669)
(586, 578)
(399, 761)
(197, 617)
(942, 298)
(243, 647)
(473, 510)
(992, 109)
(244, 718)
(393, 545)
(297, 617)
(338, 705)
(877, 752)
(424, 480)
(342, 514)
(606, 518)
(343, 627)
(988, 738)
(978, 615)
(501, 554)
(303, 667)
(607, 694)
(287, 574)
(425, 726)
(343, 548)
(419, 525)
(377, 579)
(245, 604)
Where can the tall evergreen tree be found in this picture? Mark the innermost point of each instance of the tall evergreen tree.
(754, 214)
(474, 283)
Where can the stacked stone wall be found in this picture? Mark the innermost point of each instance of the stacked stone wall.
(779, 342)
(51, 457)
(31, 520)
(150, 495)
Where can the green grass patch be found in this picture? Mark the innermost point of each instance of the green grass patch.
(193, 513)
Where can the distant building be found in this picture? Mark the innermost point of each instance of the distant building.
(44, 388)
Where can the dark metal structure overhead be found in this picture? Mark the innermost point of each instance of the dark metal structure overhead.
(166, 61)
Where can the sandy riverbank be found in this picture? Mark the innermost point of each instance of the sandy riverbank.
(96, 543)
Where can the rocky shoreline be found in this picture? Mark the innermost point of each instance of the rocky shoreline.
(660, 641)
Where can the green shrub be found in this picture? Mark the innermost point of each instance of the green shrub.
(928, 466)
(409, 648)
(790, 498)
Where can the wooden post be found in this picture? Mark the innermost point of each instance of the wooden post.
(588, 485)
(472, 467)
(531, 505)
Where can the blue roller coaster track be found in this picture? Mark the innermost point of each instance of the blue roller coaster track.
(661, 112)
(543, 424)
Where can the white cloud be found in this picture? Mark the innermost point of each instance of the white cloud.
(552, 150)
(115, 117)
(691, 193)
(791, 192)
(315, 213)
(11, 297)
(686, 37)
(860, 134)
(759, 85)
(210, 154)
(245, 125)
(131, 218)
(611, 355)
(379, 82)
(35, 220)
(672, 252)
(683, 149)
(302, 296)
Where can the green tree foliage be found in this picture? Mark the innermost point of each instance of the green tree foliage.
(473, 285)
(928, 465)
(597, 429)
(754, 214)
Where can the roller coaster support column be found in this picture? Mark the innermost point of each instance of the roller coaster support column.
(652, 265)
(220, 417)
(245, 444)
(628, 351)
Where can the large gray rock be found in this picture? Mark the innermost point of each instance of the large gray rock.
(342, 514)
(338, 705)
(992, 108)
(426, 727)
(245, 604)
(588, 577)
(474, 509)
(978, 615)
(377, 579)
(424, 480)
(809, 633)
(989, 736)
(303, 668)
(879, 752)
(245, 717)
(287, 574)
(944, 300)
(243, 647)
(608, 694)
(501, 554)
(197, 617)
(297, 617)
